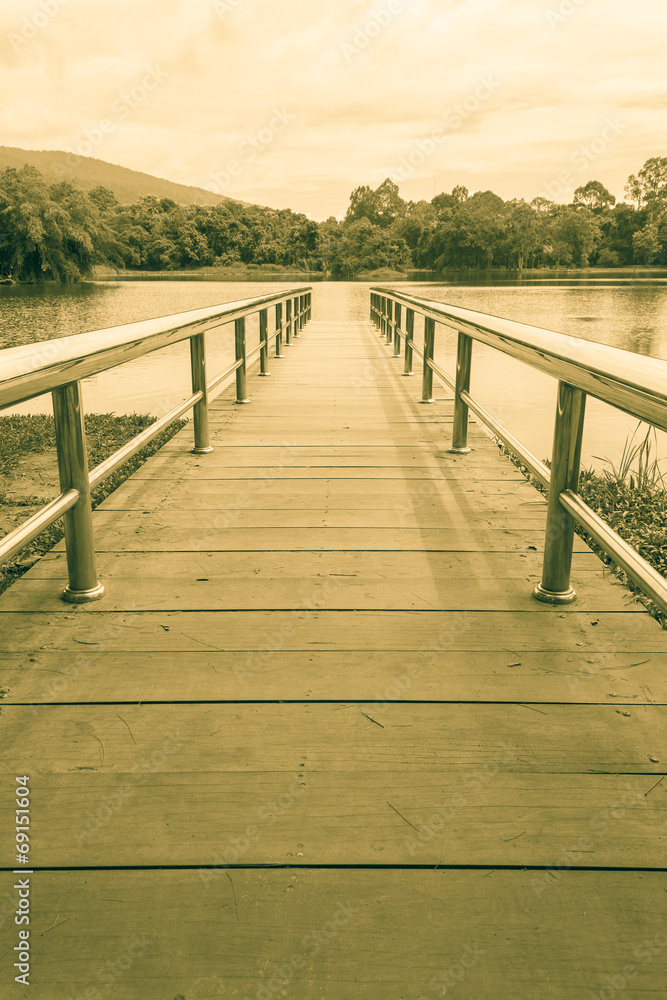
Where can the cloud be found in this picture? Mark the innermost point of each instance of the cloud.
(360, 85)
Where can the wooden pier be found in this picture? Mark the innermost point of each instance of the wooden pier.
(318, 740)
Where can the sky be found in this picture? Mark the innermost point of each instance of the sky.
(293, 104)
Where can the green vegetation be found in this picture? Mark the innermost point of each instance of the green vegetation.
(61, 232)
(647, 474)
(28, 464)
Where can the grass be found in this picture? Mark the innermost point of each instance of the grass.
(631, 498)
(647, 474)
(29, 474)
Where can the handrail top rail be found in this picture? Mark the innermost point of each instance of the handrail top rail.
(632, 382)
(33, 369)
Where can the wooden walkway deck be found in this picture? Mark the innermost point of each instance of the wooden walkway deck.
(318, 740)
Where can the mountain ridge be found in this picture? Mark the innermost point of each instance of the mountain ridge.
(88, 172)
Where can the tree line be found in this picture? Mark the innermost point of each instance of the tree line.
(60, 232)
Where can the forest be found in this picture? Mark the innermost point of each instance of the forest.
(58, 232)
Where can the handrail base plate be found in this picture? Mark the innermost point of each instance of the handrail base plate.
(83, 596)
(554, 596)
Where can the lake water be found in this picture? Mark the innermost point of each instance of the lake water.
(630, 313)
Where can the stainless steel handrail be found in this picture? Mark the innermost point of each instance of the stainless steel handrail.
(630, 382)
(57, 366)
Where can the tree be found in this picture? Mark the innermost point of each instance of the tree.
(421, 216)
(648, 188)
(608, 258)
(524, 234)
(471, 236)
(595, 196)
(444, 203)
(646, 243)
(49, 233)
(573, 234)
(380, 206)
(541, 204)
(362, 246)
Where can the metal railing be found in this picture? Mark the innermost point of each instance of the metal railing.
(58, 366)
(635, 384)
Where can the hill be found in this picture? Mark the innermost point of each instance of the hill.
(86, 172)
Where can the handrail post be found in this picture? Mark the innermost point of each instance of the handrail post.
(397, 329)
(264, 341)
(302, 311)
(202, 445)
(310, 306)
(555, 587)
(296, 316)
(409, 334)
(429, 345)
(83, 585)
(463, 362)
(381, 325)
(279, 330)
(239, 343)
(390, 321)
(288, 322)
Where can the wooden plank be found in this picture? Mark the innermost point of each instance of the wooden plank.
(577, 739)
(378, 935)
(210, 581)
(165, 631)
(189, 531)
(397, 456)
(185, 467)
(447, 495)
(111, 675)
(479, 816)
(313, 456)
(428, 516)
(154, 593)
(271, 567)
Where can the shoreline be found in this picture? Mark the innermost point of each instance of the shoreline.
(275, 272)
